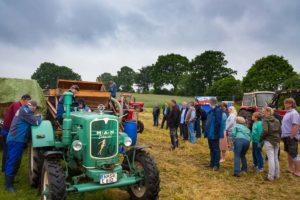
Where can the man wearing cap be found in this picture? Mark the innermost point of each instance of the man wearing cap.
(60, 106)
(16, 139)
(8, 117)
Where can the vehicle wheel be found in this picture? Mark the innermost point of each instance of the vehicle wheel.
(149, 187)
(248, 116)
(140, 127)
(53, 184)
(35, 164)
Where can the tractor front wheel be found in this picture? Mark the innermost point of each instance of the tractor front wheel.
(35, 164)
(53, 184)
(145, 166)
(140, 126)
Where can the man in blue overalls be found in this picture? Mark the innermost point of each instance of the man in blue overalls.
(60, 106)
(16, 139)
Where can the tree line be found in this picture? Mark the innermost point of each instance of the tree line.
(174, 74)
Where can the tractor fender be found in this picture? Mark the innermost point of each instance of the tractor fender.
(42, 135)
(53, 154)
(142, 147)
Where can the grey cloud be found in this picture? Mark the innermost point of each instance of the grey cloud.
(30, 22)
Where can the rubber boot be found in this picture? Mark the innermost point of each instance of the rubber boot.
(9, 184)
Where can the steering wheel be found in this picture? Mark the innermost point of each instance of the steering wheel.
(101, 107)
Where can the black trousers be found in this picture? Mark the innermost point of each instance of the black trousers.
(163, 122)
(184, 131)
(174, 138)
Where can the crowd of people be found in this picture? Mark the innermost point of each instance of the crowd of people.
(225, 131)
(187, 118)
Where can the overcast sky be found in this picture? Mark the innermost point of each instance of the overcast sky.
(96, 36)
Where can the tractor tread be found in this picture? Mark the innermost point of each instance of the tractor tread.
(152, 180)
(56, 178)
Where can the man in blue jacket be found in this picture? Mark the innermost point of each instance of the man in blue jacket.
(60, 106)
(112, 88)
(214, 131)
(16, 140)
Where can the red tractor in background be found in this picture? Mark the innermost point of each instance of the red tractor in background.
(131, 110)
(254, 102)
(278, 99)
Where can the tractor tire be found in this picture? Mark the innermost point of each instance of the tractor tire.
(35, 164)
(53, 181)
(140, 126)
(149, 187)
(248, 117)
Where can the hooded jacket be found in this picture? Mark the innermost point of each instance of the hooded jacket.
(241, 131)
(271, 130)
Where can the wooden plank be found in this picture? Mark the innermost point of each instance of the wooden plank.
(52, 109)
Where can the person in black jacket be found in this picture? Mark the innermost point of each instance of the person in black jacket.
(156, 113)
(166, 112)
(173, 122)
(182, 125)
(198, 118)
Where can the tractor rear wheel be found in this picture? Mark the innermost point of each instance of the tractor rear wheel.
(149, 187)
(53, 184)
(35, 164)
(140, 126)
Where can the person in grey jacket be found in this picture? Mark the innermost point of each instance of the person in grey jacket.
(230, 123)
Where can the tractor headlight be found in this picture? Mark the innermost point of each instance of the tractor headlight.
(127, 141)
(77, 145)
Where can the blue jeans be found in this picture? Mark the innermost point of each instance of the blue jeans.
(215, 153)
(4, 133)
(190, 126)
(14, 157)
(258, 160)
(197, 128)
(241, 147)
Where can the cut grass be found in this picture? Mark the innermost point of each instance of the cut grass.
(183, 174)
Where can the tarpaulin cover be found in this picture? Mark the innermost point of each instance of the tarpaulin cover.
(204, 101)
(12, 89)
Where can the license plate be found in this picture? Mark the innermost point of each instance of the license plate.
(108, 178)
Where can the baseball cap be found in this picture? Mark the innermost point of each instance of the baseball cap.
(76, 87)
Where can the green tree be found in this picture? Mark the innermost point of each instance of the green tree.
(226, 88)
(268, 73)
(144, 78)
(126, 79)
(47, 74)
(206, 69)
(105, 78)
(292, 83)
(169, 69)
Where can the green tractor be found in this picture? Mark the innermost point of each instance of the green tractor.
(90, 154)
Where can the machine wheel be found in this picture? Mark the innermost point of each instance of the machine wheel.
(149, 187)
(35, 164)
(53, 184)
(140, 126)
(248, 116)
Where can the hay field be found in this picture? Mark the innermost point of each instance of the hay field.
(184, 175)
(153, 99)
